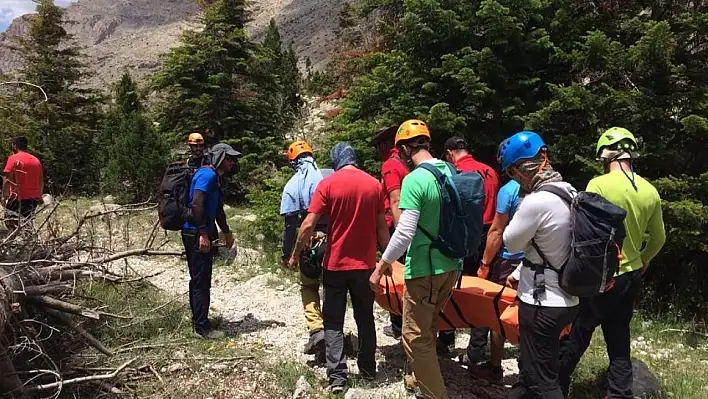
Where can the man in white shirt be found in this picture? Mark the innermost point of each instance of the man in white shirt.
(540, 228)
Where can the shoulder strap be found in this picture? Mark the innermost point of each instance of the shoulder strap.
(546, 263)
(439, 177)
(553, 189)
(432, 169)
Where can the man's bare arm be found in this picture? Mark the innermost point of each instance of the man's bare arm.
(495, 238)
(394, 199)
(382, 231)
(306, 229)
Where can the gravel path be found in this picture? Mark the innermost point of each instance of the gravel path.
(265, 310)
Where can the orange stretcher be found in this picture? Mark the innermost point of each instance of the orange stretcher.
(474, 302)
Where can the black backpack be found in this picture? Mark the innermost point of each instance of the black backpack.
(173, 195)
(597, 229)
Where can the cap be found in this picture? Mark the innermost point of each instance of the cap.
(387, 133)
(455, 143)
(222, 147)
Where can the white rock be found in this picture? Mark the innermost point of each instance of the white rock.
(302, 388)
(109, 199)
(47, 199)
(175, 367)
(219, 367)
(359, 393)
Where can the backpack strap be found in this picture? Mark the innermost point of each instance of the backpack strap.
(440, 178)
(559, 192)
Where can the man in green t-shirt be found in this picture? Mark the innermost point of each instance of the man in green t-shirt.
(429, 275)
(644, 238)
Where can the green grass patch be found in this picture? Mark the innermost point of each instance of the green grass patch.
(679, 360)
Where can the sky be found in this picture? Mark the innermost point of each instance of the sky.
(11, 9)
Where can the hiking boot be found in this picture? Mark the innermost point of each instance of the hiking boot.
(392, 332)
(485, 371)
(210, 334)
(316, 344)
(337, 388)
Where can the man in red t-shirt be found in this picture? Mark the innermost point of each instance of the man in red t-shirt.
(393, 170)
(353, 201)
(23, 184)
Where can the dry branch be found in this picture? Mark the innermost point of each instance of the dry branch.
(85, 334)
(53, 288)
(65, 306)
(45, 387)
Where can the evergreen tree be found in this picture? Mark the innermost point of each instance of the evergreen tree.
(135, 154)
(62, 128)
(486, 69)
(219, 80)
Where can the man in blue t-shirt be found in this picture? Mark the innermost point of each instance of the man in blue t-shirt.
(496, 266)
(207, 207)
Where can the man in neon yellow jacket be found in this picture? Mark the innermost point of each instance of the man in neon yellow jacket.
(645, 236)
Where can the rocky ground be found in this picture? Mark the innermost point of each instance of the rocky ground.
(261, 307)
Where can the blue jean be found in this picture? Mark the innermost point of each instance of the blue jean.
(200, 268)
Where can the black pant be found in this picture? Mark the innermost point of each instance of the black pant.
(24, 208)
(336, 284)
(539, 338)
(200, 267)
(613, 311)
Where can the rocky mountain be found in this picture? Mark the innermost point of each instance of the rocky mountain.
(118, 34)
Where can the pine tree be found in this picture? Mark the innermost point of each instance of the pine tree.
(205, 82)
(135, 154)
(62, 128)
(486, 69)
(219, 80)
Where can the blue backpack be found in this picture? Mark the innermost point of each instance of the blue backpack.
(461, 208)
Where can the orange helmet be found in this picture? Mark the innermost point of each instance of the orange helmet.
(297, 148)
(195, 138)
(410, 129)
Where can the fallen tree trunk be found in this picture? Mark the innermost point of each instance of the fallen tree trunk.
(37, 279)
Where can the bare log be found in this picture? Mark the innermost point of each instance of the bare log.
(54, 288)
(10, 383)
(45, 387)
(85, 334)
(65, 306)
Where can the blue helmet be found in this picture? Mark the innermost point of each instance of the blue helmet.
(522, 145)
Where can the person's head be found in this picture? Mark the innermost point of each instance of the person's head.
(383, 141)
(18, 143)
(341, 155)
(455, 148)
(413, 141)
(523, 156)
(224, 159)
(196, 144)
(297, 150)
(616, 144)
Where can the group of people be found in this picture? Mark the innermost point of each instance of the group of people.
(345, 216)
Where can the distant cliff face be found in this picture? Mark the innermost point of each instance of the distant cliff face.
(131, 34)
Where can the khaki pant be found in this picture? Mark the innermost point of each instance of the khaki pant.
(423, 299)
(310, 295)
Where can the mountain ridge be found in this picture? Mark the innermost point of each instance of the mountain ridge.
(131, 34)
